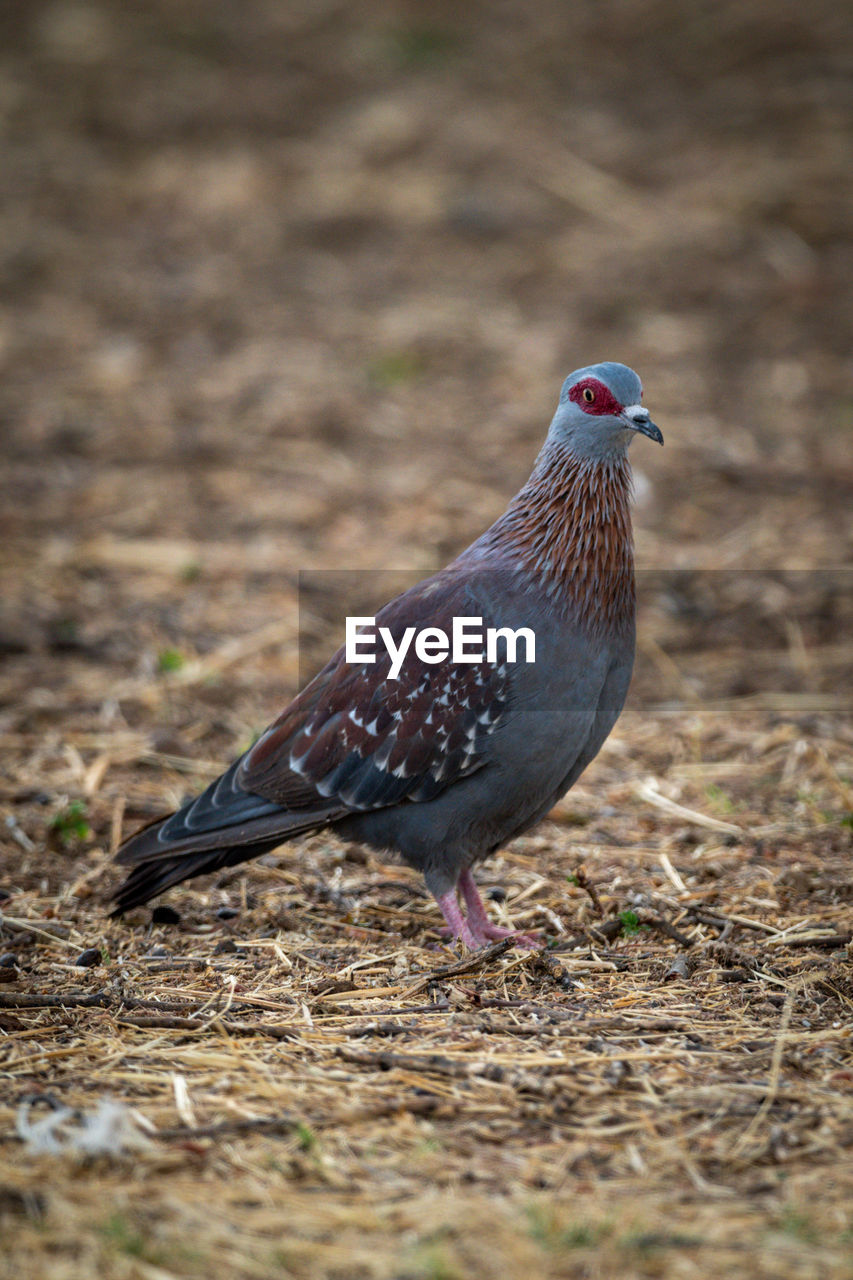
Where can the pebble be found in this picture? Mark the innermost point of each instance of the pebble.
(89, 958)
(165, 915)
(9, 961)
(227, 913)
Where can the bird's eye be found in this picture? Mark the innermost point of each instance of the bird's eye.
(588, 395)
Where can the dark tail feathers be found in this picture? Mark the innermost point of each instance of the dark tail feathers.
(220, 828)
(157, 874)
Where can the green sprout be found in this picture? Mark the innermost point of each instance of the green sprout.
(124, 1237)
(169, 660)
(630, 922)
(190, 572)
(70, 823)
(423, 45)
(395, 367)
(306, 1136)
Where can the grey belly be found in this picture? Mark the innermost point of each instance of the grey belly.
(547, 741)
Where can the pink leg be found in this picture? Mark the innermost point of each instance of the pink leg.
(456, 923)
(480, 924)
(477, 930)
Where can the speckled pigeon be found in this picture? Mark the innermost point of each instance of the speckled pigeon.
(450, 760)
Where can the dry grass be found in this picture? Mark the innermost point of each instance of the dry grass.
(327, 1090)
(293, 286)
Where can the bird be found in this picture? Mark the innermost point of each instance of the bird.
(442, 762)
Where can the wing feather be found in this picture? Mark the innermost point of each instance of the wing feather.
(370, 741)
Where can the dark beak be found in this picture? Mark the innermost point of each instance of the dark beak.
(637, 418)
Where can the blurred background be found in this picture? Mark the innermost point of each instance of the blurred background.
(293, 286)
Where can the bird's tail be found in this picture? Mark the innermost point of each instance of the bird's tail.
(220, 828)
(153, 875)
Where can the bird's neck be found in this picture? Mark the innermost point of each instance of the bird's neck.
(569, 530)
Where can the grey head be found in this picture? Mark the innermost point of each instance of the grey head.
(600, 411)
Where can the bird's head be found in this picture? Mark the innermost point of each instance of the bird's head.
(600, 411)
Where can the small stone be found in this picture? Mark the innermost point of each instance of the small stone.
(678, 969)
(497, 895)
(165, 915)
(89, 958)
(9, 961)
(227, 913)
(5, 895)
(224, 947)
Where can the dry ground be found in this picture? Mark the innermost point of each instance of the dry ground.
(291, 287)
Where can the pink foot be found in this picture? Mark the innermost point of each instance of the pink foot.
(478, 930)
(495, 932)
(480, 923)
(457, 925)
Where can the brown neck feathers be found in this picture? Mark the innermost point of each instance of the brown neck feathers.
(570, 529)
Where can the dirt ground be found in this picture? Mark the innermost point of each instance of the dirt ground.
(290, 288)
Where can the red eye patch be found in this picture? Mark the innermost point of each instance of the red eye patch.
(602, 401)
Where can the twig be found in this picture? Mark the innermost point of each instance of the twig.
(418, 1106)
(827, 940)
(204, 1022)
(422, 1062)
(439, 1064)
(646, 791)
(18, 925)
(605, 932)
(775, 1073)
(584, 882)
(704, 916)
(83, 1000)
(478, 960)
(669, 930)
(227, 1128)
(671, 873)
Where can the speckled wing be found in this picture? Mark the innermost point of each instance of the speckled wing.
(353, 741)
(356, 736)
